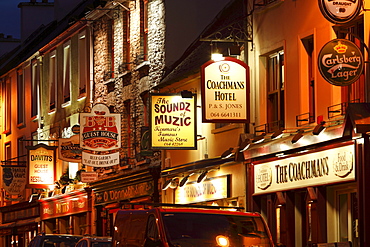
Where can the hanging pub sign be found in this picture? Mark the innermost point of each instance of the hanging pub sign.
(41, 171)
(14, 179)
(340, 11)
(69, 149)
(101, 160)
(225, 91)
(100, 130)
(173, 122)
(340, 62)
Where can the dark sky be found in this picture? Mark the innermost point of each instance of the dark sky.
(10, 17)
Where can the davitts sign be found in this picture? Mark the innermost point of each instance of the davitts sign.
(41, 172)
(225, 91)
(101, 130)
(330, 166)
(340, 62)
(173, 122)
(340, 11)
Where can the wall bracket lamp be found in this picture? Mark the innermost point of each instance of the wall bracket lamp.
(319, 128)
(227, 154)
(298, 136)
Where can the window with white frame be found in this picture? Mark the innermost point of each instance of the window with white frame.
(20, 99)
(83, 68)
(52, 80)
(67, 72)
(35, 90)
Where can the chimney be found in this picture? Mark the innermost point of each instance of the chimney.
(33, 15)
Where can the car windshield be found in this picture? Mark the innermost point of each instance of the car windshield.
(199, 229)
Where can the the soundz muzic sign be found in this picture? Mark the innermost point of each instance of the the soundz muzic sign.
(340, 62)
(225, 91)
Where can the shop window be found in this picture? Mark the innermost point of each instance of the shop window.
(67, 72)
(35, 90)
(20, 99)
(275, 89)
(347, 217)
(83, 68)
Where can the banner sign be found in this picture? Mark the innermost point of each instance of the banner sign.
(173, 122)
(319, 168)
(225, 91)
(340, 62)
(340, 11)
(211, 189)
(101, 131)
(41, 166)
(14, 179)
(63, 206)
(88, 177)
(69, 149)
(101, 160)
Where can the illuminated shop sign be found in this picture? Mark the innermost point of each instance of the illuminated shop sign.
(69, 149)
(100, 130)
(41, 172)
(63, 206)
(173, 122)
(340, 11)
(209, 190)
(102, 160)
(340, 62)
(225, 91)
(325, 167)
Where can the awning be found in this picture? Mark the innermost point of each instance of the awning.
(358, 115)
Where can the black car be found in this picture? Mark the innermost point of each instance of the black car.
(54, 240)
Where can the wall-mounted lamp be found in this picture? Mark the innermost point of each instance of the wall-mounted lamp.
(216, 54)
(227, 154)
(185, 94)
(244, 145)
(171, 183)
(185, 180)
(319, 128)
(298, 136)
(202, 177)
(259, 139)
(277, 134)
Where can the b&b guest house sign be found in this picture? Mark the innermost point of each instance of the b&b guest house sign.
(340, 62)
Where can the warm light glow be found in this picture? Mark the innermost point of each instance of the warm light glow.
(222, 241)
(217, 57)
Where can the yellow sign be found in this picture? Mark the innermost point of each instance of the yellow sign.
(173, 122)
(41, 166)
(210, 189)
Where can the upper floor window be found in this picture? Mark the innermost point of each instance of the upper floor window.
(52, 80)
(309, 47)
(67, 72)
(8, 105)
(20, 98)
(144, 30)
(110, 74)
(126, 41)
(275, 91)
(83, 69)
(35, 89)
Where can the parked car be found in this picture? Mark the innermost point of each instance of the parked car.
(186, 227)
(54, 240)
(89, 241)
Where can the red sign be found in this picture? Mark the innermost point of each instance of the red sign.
(101, 131)
(51, 208)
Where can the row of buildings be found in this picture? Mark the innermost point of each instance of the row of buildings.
(99, 112)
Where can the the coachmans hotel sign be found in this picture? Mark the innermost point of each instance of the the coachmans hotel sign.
(225, 91)
(319, 168)
(173, 122)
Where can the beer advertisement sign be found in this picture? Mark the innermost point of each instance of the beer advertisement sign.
(340, 62)
(173, 122)
(340, 11)
(100, 130)
(14, 179)
(225, 91)
(41, 166)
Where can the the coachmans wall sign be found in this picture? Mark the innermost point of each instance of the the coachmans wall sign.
(340, 62)
(340, 11)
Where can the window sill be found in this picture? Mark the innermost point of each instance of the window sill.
(66, 104)
(81, 97)
(52, 111)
